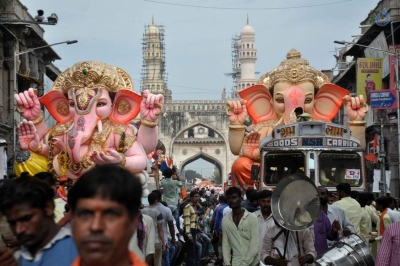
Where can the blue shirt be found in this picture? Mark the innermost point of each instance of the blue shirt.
(218, 217)
(60, 251)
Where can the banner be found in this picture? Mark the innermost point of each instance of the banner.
(380, 44)
(393, 67)
(369, 76)
(377, 179)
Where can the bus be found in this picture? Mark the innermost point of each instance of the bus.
(323, 151)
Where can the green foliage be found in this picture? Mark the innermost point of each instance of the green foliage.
(190, 174)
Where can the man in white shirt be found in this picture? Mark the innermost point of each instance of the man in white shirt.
(146, 252)
(264, 215)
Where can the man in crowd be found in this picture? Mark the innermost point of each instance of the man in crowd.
(264, 214)
(171, 185)
(385, 217)
(240, 231)
(213, 198)
(350, 206)
(252, 204)
(276, 236)
(388, 254)
(323, 231)
(365, 228)
(105, 208)
(28, 206)
(218, 226)
(190, 228)
(335, 212)
(155, 214)
(167, 224)
(59, 203)
(143, 240)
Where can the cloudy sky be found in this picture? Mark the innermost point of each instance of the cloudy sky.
(198, 39)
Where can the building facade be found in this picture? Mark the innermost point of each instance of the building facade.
(31, 67)
(379, 37)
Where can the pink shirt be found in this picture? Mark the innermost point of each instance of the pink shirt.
(389, 251)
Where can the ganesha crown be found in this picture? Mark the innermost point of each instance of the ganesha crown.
(92, 74)
(294, 70)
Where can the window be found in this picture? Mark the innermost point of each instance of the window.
(248, 46)
(340, 167)
(152, 87)
(280, 165)
(251, 46)
(191, 133)
(156, 54)
(248, 85)
(248, 54)
(158, 87)
(251, 53)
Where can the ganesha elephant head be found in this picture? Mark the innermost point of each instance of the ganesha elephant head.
(87, 94)
(293, 84)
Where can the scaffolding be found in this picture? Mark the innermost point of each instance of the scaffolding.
(235, 65)
(153, 75)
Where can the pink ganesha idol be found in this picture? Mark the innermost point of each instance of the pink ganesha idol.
(273, 101)
(93, 104)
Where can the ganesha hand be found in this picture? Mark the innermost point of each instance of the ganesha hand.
(28, 104)
(28, 136)
(251, 145)
(151, 105)
(110, 157)
(236, 111)
(356, 108)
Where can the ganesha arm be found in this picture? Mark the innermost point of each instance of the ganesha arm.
(358, 131)
(135, 158)
(42, 129)
(148, 137)
(236, 137)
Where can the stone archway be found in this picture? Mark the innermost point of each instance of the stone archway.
(201, 141)
(205, 157)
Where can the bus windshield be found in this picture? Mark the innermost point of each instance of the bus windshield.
(280, 165)
(340, 167)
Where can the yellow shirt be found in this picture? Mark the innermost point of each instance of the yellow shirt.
(352, 209)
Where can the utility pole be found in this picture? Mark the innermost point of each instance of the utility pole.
(382, 155)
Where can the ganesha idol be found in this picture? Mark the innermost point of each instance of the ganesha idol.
(272, 102)
(93, 104)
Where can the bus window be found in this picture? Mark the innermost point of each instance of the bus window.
(340, 167)
(280, 165)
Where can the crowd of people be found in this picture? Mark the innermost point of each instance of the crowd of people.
(100, 220)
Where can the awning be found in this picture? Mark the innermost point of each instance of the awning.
(29, 79)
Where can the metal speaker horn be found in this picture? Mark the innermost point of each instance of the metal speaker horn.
(295, 202)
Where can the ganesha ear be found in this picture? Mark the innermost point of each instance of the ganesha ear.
(126, 106)
(57, 105)
(328, 101)
(259, 105)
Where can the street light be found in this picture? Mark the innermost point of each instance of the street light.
(396, 60)
(51, 20)
(15, 80)
(344, 43)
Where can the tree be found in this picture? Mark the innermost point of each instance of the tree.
(216, 177)
(190, 174)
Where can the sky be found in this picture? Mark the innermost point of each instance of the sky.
(198, 39)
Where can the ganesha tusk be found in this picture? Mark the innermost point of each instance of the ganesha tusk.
(46, 138)
(99, 126)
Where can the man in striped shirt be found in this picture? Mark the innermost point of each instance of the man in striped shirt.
(388, 254)
(190, 227)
